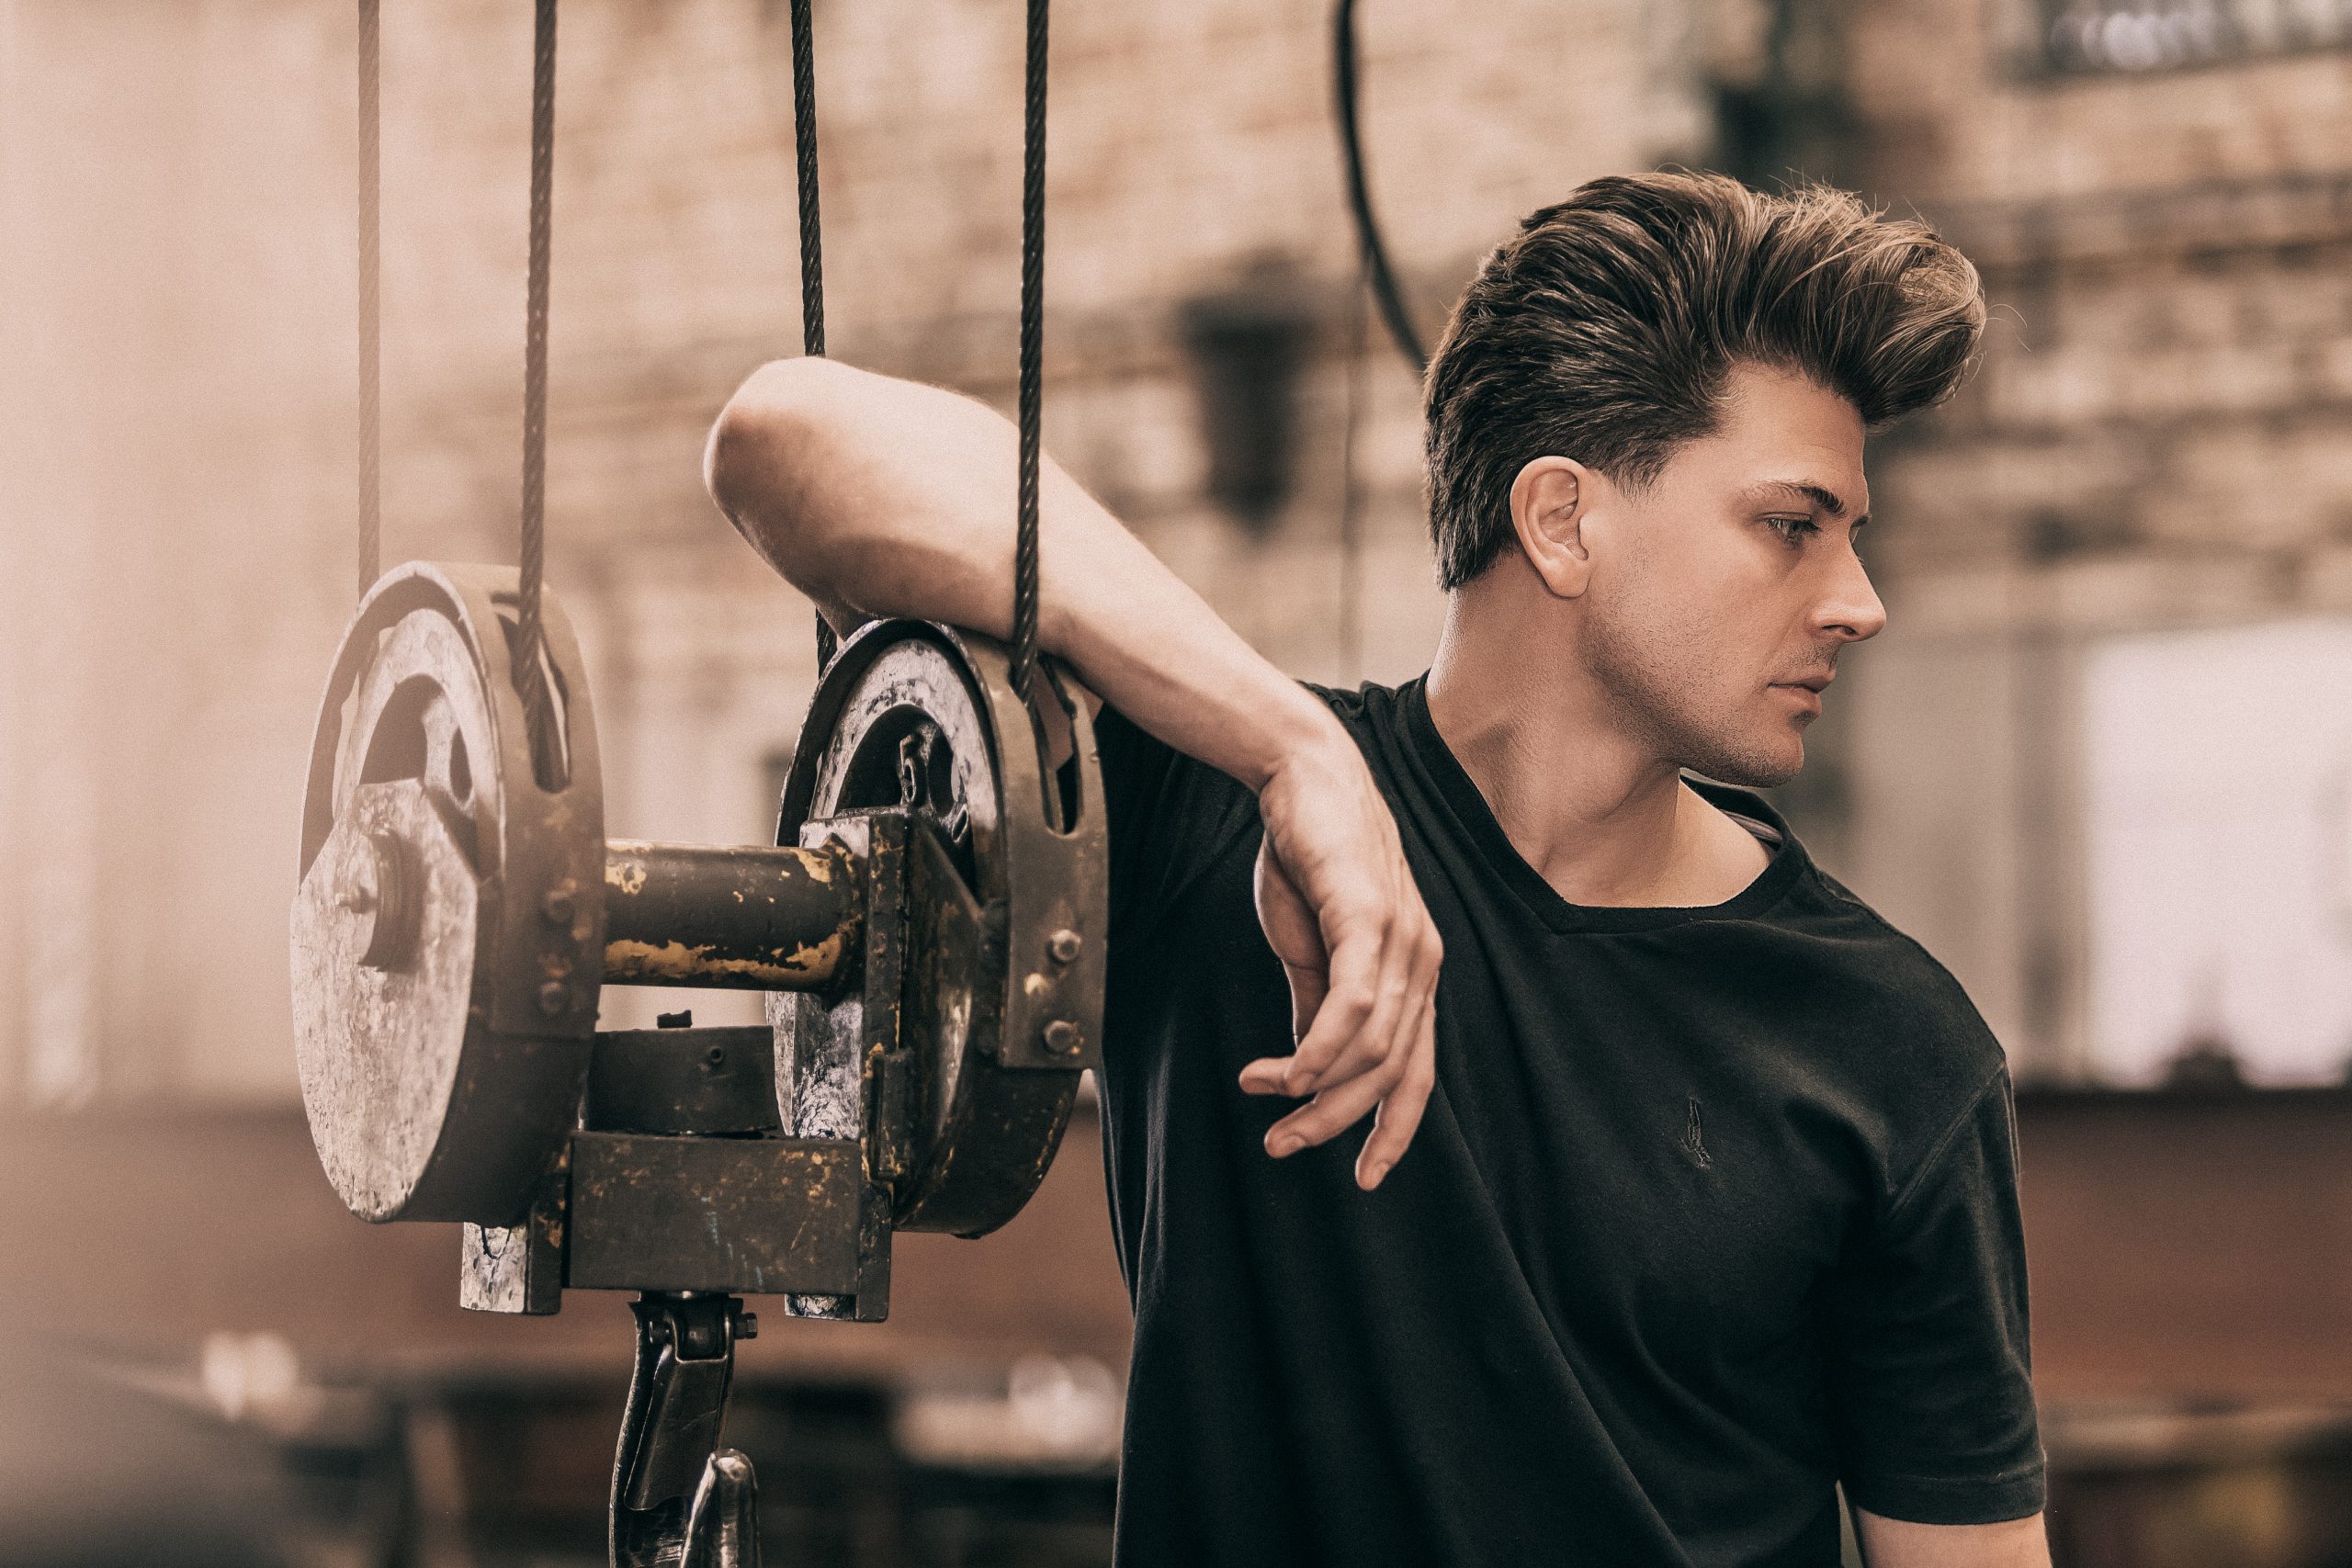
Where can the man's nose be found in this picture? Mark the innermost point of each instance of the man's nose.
(1850, 609)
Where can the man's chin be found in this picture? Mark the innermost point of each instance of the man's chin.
(1757, 765)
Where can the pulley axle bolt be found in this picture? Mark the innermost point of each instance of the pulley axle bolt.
(554, 997)
(377, 886)
(1063, 946)
(1061, 1037)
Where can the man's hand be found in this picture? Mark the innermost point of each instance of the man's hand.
(1342, 912)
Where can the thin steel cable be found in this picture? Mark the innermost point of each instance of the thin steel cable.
(1033, 313)
(1384, 288)
(812, 235)
(1350, 493)
(529, 682)
(370, 298)
(804, 146)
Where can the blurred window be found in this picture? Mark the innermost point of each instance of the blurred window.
(2217, 789)
(2159, 35)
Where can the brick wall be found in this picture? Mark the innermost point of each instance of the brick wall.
(2157, 440)
(177, 250)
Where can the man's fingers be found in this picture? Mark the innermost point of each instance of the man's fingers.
(1398, 1018)
(1345, 1009)
(1409, 968)
(1381, 1033)
(1330, 1113)
(1309, 986)
(1267, 1075)
(1399, 1115)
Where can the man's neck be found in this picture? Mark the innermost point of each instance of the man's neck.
(1599, 814)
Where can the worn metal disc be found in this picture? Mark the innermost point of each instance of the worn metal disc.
(1003, 993)
(448, 924)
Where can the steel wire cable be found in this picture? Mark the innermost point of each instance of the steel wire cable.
(529, 679)
(370, 497)
(1345, 70)
(812, 232)
(1351, 628)
(1033, 310)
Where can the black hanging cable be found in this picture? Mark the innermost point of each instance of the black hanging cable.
(1032, 313)
(812, 247)
(529, 679)
(804, 143)
(1351, 494)
(370, 297)
(1344, 69)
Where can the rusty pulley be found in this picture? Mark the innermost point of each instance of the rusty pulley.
(932, 921)
(447, 925)
(1005, 887)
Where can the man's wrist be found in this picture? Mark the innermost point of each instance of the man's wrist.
(1300, 730)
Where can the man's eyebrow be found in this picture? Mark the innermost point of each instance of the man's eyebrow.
(1826, 499)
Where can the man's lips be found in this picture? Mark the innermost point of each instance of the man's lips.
(1814, 684)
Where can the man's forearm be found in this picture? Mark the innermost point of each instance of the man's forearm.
(880, 497)
(1893, 1543)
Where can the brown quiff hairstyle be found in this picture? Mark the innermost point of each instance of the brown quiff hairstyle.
(1605, 330)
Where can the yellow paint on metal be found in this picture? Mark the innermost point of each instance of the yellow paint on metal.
(627, 959)
(628, 876)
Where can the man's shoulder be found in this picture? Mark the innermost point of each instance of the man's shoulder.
(1895, 1028)
(1908, 984)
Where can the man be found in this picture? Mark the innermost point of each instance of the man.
(1710, 1198)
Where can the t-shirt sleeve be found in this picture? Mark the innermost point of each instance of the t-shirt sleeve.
(1168, 816)
(1930, 1373)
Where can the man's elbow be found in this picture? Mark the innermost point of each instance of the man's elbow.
(752, 461)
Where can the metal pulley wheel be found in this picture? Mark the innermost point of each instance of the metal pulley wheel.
(1006, 909)
(448, 928)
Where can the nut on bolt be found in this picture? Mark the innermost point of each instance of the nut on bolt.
(561, 904)
(554, 996)
(1061, 1037)
(1063, 945)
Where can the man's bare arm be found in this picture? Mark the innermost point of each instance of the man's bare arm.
(1893, 1543)
(881, 496)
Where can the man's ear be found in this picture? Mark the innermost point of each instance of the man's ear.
(1550, 501)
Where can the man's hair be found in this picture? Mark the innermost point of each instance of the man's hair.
(1606, 330)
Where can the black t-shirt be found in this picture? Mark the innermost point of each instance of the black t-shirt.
(1712, 1209)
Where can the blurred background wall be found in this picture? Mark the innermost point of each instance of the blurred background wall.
(2100, 763)
(2159, 199)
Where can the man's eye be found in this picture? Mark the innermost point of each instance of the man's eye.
(1793, 529)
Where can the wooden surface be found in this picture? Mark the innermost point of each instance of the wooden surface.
(2189, 1247)
(2181, 1247)
(144, 1233)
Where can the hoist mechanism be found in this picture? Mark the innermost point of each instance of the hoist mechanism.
(929, 924)
(930, 918)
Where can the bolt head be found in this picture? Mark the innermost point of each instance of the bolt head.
(559, 906)
(747, 1325)
(1063, 946)
(1061, 1038)
(554, 997)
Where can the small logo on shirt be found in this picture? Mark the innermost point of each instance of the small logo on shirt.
(1693, 1142)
